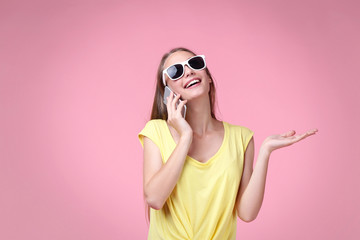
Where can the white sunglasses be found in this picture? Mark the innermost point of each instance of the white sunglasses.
(177, 70)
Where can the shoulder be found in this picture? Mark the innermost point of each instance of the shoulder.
(155, 123)
(155, 127)
(238, 128)
(240, 134)
(153, 130)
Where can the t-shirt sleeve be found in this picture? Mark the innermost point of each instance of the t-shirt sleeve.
(246, 135)
(149, 131)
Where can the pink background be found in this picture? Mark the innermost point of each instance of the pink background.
(77, 80)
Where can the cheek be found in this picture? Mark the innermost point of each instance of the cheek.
(204, 75)
(206, 78)
(175, 85)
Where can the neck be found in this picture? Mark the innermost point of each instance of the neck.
(198, 115)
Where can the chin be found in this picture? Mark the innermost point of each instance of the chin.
(195, 95)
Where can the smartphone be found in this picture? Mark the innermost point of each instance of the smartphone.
(167, 92)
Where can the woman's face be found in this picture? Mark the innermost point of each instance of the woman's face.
(179, 86)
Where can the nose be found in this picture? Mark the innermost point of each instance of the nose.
(188, 71)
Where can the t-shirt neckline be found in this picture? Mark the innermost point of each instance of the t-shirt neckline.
(211, 159)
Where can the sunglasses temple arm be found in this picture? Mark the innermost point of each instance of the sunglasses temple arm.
(163, 78)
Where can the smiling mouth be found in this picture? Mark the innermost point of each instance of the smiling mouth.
(192, 83)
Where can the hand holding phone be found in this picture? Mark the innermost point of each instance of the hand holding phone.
(167, 92)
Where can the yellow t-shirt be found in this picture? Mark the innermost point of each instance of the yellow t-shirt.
(202, 204)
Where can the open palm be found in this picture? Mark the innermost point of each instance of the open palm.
(277, 141)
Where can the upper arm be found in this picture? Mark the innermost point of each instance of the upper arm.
(152, 160)
(247, 169)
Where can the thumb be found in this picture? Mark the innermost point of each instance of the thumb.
(288, 134)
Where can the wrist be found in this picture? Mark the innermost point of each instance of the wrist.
(187, 136)
(265, 150)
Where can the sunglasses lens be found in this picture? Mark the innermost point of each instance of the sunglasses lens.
(197, 63)
(175, 71)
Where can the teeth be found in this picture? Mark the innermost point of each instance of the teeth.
(192, 82)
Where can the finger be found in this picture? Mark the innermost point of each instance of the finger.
(312, 131)
(168, 108)
(181, 105)
(305, 135)
(177, 97)
(175, 100)
(300, 137)
(168, 105)
(288, 134)
(171, 95)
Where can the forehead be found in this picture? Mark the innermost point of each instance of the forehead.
(177, 57)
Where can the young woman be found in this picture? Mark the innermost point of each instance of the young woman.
(198, 171)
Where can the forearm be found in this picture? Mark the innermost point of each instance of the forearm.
(160, 186)
(252, 198)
